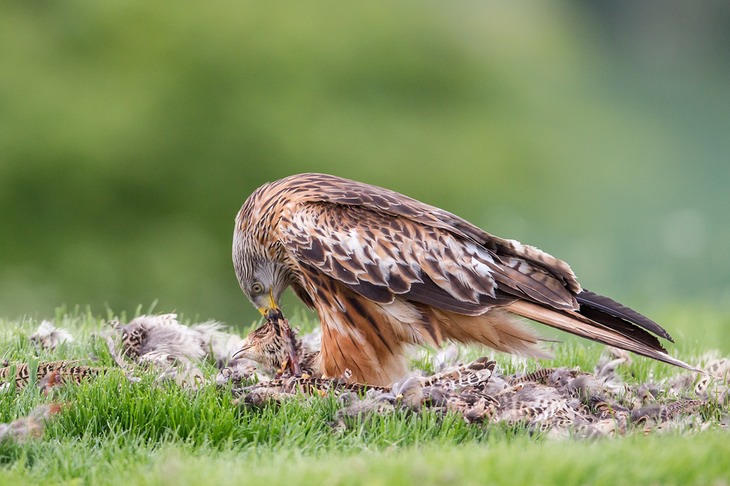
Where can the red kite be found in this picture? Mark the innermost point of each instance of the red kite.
(385, 271)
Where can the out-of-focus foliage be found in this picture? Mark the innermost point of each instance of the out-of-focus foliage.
(131, 133)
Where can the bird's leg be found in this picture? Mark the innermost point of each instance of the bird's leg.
(293, 358)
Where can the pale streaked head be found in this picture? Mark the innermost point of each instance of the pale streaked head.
(262, 279)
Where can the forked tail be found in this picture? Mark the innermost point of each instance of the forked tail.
(605, 321)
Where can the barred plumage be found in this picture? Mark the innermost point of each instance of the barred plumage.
(278, 349)
(59, 371)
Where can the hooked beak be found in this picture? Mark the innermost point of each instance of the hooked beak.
(243, 349)
(272, 312)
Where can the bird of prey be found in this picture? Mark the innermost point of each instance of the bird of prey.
(384, 271)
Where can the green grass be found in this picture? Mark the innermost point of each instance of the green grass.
(114, 431)
(672, 459)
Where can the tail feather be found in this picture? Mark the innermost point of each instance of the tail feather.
(603, 327)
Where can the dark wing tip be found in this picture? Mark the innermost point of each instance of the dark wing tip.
(620, 311)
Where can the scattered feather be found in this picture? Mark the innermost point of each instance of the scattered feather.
(47, 374)
(32, 426)
(49, 336)
(556, 402)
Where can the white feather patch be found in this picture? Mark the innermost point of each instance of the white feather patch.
(401, 311)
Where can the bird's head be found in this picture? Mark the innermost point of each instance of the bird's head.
(247, 350)
(263, 282)
(262, 277)
(263, 344)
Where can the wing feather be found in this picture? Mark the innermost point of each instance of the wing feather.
(591, 303)
(314, 187)
(381, 255)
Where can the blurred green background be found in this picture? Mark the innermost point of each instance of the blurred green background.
(132, 132)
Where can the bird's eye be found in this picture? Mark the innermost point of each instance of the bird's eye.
(257, 288)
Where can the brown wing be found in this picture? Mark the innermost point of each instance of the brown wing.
(345, 192)
(380, 255)
(381, 244)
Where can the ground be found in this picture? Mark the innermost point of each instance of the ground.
(114, 431)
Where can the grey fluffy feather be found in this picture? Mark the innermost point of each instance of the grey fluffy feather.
(163, 338)
(48, 336)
